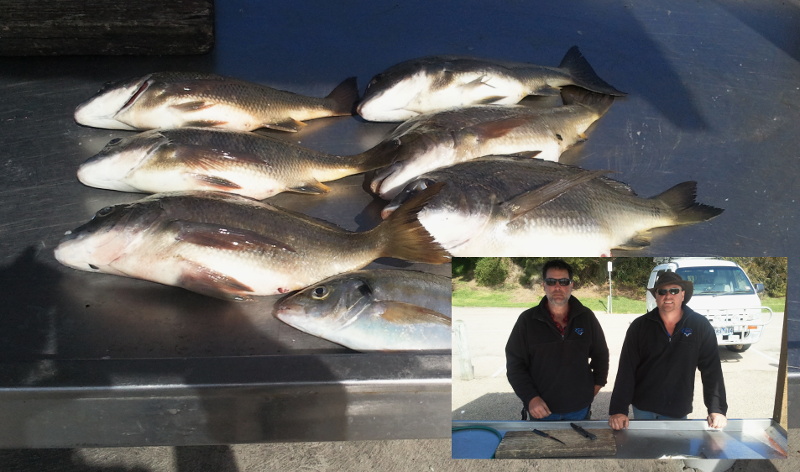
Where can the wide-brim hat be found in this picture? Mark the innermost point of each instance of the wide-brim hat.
(671, 278)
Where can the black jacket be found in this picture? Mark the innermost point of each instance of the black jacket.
(656, 372)
(539, 362)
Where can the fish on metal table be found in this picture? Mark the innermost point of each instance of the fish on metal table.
(178, 99)
(234, 247)
(374, 310)
(506, 206)
(435, 83)
(244, 163)
(444, 138)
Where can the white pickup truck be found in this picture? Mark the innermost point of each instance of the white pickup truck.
(722, 293)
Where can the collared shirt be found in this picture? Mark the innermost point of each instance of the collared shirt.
(561, 329)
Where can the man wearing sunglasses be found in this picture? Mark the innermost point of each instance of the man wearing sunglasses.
(556, 355)
(661, 351)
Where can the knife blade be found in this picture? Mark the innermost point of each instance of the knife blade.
(545, 435)
(583, 432)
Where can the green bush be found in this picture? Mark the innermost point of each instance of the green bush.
(490, 271)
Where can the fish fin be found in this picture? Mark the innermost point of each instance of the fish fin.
(535, 198)
(311, 188)
(497, 129)
(200, 279)
(639, 241)
(227, 238)
(680, 199)
(598, 103)
(205, 123)
(291, 125)
(343, 98)
(490, 100)
(408, 239)
(193, 106)
(407, 313)
(526, 154)
(217, 183)
(547, 91)
(583, 75)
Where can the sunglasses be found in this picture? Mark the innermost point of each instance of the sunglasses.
(563, 282)
(664, 291)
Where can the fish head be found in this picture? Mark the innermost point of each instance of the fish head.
(109, 168)
(95, 245)
(326, 307)
(411, 155)
(103, 109)
(388, 95)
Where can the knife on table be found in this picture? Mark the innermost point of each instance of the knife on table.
(583, 432)
(545, 435)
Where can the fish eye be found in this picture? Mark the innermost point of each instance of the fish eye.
(105, 211)
(320, 293)
(421, 185)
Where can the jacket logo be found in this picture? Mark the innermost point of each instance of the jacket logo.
(579, 331)
(687, 332)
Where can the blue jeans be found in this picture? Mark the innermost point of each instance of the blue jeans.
(649, 415)
(571, 416)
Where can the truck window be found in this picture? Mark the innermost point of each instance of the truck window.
(717, 280)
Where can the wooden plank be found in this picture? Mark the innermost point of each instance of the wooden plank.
(527, 445)
(105, 27)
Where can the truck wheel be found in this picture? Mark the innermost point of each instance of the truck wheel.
(738, 347)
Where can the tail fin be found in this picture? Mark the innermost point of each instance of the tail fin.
(344, 97)
(597, 102)
(584, 76)
(408, 239)
(681, 200)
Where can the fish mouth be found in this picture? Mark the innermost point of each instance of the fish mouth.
(101, 111)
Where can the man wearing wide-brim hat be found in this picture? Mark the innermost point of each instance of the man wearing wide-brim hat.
(661, 351)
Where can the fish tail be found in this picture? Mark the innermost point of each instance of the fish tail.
(681, 200)
(342, 100)
(584, 76)
(408, 239)
(598, 103)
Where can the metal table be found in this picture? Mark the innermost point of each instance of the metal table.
(88, 359)
(658, 439)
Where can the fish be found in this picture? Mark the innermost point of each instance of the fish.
(433, 83)
(179, 99)
(234, 247)
(244, 163)
(374, 310)
(507, 206)
(433, 140)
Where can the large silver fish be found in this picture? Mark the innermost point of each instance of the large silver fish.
(505, 206)
(435, 140)
(206, 159)
(435, 83)
(178, 99)
(234, 247)
(374, 310)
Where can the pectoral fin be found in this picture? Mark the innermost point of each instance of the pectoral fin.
(406, 313)
(290, 125)
(226, 238)
(497, 129)
(193, 106)
(216, 183)
(311, 188)
(208, 282)
(529, 201)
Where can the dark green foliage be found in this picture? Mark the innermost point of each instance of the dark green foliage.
(490, 271)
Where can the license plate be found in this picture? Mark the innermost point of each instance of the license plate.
(727, 330)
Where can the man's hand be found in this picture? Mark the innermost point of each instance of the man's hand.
(717, 420)
(538, 408)
(597, 389)
(618, 421)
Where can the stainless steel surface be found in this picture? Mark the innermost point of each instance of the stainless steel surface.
(741, 439)
(714, 97)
